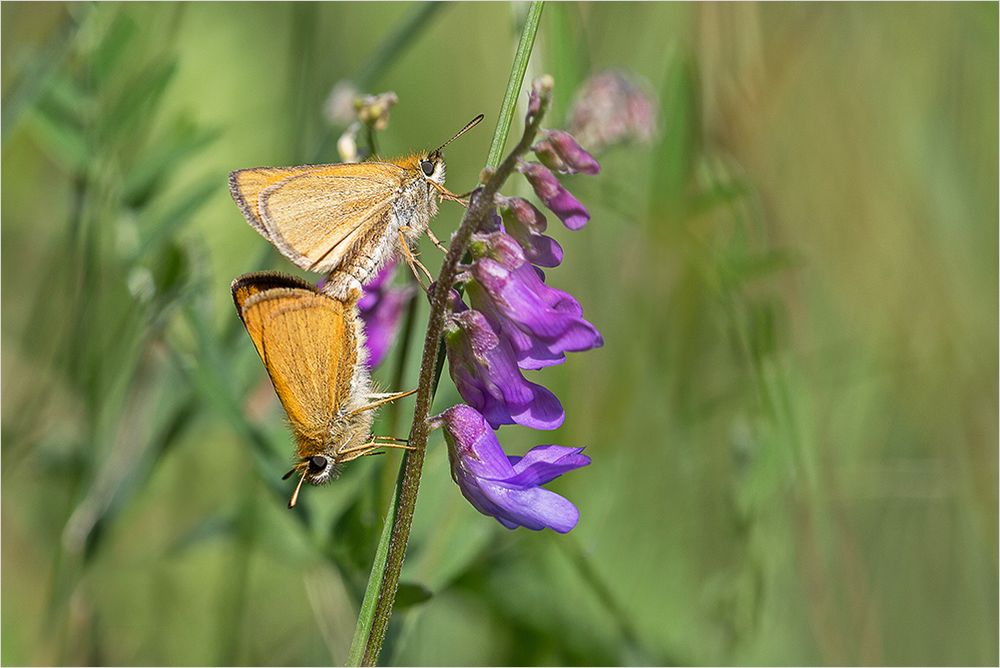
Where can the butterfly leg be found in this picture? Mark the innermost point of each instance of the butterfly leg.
(414, 262)
(382, 399)
(366, 449)
(444, 193)
(395, 439)
(436, 241)
(391, 396)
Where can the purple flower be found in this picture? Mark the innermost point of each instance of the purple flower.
(613, 107)
(559, 151)
(381, 308)
(484, 369)
(540, 322)
(525, 223)
(508, 488)
(559, 200)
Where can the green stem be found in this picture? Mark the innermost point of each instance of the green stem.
(517, 70)
(380, 595)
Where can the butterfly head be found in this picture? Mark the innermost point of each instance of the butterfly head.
(315, 470)
(432, 167)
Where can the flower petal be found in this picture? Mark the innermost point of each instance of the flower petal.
(540, 322)
(487, 478)
(533, 507)
(571, 153)
(545, 463)
(484, 369)
(472, 445)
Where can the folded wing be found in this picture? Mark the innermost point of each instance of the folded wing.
(314, 215)
(306, 342)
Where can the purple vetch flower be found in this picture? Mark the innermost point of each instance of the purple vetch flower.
(484, 369)
(516, 322)
(613, 107)
(559, 151)
(559, 200)
(381, 308)
(525, 223)
(540, 322)
(504, 487)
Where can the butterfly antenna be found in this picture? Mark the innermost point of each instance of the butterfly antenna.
(468, 126)
(295, 495)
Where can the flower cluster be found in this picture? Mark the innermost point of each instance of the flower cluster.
(346, 105)
(515, 322)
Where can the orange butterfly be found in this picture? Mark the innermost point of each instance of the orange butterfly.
(346, 219)
(312, 347)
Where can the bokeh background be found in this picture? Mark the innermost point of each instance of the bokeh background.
(793, 422)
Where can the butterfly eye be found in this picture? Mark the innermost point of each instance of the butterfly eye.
(317, 464)
(427, 167)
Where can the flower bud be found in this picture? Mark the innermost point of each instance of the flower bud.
(373, 110)
(525, 223)
(546, 154)
(347, 145)
(559, 200)
(570, 153)
(539, 98)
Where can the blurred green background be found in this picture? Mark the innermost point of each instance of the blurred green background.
(793, 421)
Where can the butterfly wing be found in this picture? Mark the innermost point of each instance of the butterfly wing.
(248, 285)
(246, 185)
(307, 344)
(315, 214)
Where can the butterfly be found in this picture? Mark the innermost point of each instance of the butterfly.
(312, 346)
(346, 219)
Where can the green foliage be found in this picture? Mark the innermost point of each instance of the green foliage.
(793, 421)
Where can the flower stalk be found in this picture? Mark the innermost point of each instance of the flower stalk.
(480, 209)
(374, 619)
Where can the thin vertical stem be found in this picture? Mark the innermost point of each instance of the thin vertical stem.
(380, 595)
(517, 70)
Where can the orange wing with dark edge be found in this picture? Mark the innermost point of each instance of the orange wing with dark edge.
(306, 341)
(253, 283)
